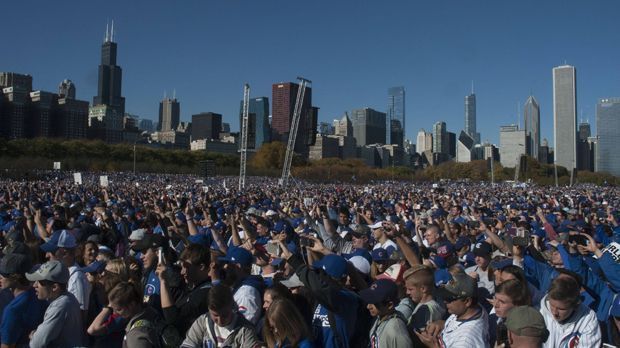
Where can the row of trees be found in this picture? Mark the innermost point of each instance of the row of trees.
(30, 154)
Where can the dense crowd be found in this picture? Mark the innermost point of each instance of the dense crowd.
(169, 261)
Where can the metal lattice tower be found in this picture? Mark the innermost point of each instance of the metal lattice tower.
(290, 148)
(244, 136)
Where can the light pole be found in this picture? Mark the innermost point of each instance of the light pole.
(142, 136)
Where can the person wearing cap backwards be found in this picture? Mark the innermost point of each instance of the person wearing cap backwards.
(246, 287)
(389, 328)
(62, 249)
(25, 312)
(526, 328)
(62, 322)
(467, 325)
(570, 322)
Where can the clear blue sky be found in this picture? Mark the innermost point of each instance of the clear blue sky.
(353, 51)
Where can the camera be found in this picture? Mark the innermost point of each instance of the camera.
(473, 224)
(306, 242)
(579, 239)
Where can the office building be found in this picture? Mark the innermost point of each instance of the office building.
(511, 145)
(396, 125)
(284, 96)
(169, 114)
(440, 138)
(14, 113)
(565, 116)
(368, 126)
(464, 148)
(531, 115)
(424, 142)
(325, 146)
(206, 125)
(452, 144)
(72, 119)
(344, 126)
(43, 108)
(19, 82)
(66, 89)
(146, 125)
(470, 116)
(259, 131)
(110, 77)
(585, 148)
(608, 134)
(225, 127)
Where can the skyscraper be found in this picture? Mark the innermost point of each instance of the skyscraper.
(110, 77)
(565, 116)
(470, 116)
(368, 126)
(585, 148)
(258, 122)
(424, 142)
(66, 89)
(206, 125)
(608, 132)
(169, 114)
(531, 115)
(396, 116)
(511, 145)
(440, 138)
(344, 126)
(284, 96)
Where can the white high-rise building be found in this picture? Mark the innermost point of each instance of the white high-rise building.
(565, 116)
(424, 142)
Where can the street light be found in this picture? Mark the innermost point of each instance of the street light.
(143, 135)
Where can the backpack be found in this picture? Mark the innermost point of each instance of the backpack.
(169, 336)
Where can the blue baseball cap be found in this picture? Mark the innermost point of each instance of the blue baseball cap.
(94, 267)
(359, 252)
(462, 242)
(334, 265)
(501, 264)
(442, 276)
(380, 254)
(52, 244)
(237, 255)
(382, 290)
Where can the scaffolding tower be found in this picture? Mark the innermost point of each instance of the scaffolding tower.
(290, 148)
(244, 136)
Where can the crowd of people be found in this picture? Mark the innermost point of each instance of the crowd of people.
(172, 261)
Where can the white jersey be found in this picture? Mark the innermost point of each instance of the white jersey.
(469, 333)
(249, 303)
(580, 330)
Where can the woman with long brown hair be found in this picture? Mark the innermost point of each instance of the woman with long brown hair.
(285, 327)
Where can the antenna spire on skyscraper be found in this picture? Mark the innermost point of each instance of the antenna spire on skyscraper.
(107, 32)
(112, 32)
(472, 86)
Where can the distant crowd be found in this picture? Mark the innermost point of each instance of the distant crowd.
(141, 260)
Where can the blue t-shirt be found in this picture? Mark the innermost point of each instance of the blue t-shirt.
(345, 321)
(21, 316)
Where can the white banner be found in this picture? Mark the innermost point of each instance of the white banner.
(56, 165)
(77, 178)
(103, 181)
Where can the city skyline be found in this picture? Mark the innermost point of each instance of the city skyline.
(435, 66)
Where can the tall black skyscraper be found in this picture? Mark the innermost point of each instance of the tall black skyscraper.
(110, 76)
